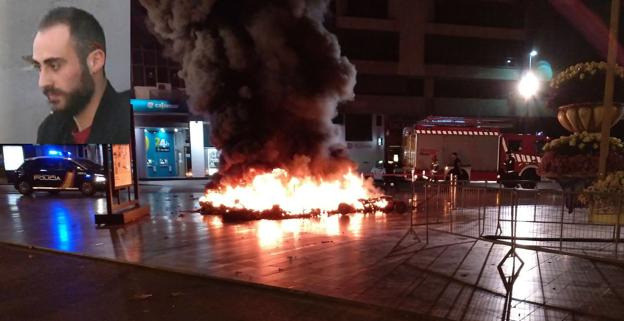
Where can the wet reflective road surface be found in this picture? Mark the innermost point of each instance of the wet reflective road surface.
(352, 256)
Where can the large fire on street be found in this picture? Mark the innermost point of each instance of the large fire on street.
(268, 77)
(279, 195)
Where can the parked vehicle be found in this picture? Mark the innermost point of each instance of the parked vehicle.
(55, 174)
(479, 144)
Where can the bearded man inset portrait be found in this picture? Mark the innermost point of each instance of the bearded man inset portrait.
(69, 52)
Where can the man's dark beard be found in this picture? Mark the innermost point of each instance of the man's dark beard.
(78, 99)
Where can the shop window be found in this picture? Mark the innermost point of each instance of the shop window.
(165, 152)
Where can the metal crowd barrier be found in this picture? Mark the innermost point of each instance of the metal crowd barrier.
(548, 220)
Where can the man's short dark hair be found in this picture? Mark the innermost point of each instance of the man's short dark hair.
(84, 29)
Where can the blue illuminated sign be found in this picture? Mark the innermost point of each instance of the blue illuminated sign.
(152, 105)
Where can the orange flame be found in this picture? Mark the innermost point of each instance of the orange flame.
(295, 195)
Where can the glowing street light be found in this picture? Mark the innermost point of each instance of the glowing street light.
(528, 86)
(532, 54)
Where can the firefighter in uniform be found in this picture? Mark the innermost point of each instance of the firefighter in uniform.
(456, 171)
(510, 163)
(435, 167)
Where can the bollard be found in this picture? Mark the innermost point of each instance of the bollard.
(427, 214)
(479, 212)
(563, 194)
(617, 227)
(535, 206)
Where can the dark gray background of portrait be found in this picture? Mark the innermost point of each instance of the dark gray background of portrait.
(22, 105)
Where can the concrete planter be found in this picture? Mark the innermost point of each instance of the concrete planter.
(587, 117)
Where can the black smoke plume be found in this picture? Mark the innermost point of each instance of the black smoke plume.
(268, 76)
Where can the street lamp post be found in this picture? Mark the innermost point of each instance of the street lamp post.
(532, 54)
(528, 86)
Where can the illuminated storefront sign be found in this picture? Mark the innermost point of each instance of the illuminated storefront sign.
(153, 105)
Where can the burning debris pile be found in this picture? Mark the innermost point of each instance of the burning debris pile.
(278, 195)
(268, 76)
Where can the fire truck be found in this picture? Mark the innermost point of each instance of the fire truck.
(480, 144)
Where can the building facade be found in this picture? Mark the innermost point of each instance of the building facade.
(414, 58)
(436, 57)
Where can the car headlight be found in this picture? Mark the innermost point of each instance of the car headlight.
(100, 178)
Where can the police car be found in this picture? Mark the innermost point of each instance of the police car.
(54, 174)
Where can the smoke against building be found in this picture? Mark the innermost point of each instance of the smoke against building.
(267, 75)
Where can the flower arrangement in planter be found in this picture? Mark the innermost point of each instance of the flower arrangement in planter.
(577, 95)
(577, 155)
(605, 198)
(584, 83)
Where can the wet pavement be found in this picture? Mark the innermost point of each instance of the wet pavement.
(355, 257)
(65, 287)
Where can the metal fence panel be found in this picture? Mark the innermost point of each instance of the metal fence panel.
(542, 219)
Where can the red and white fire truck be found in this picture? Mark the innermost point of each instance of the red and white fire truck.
(480, 144)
